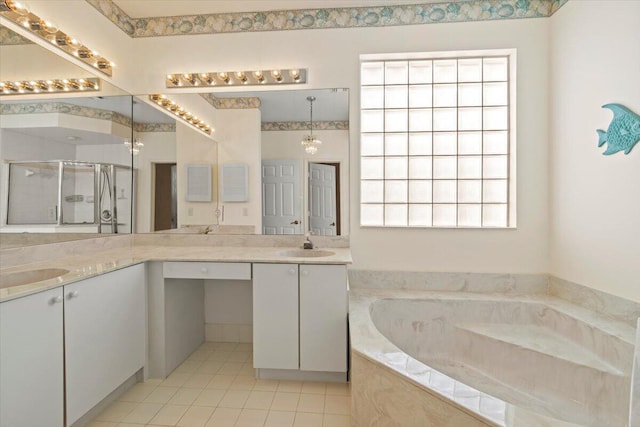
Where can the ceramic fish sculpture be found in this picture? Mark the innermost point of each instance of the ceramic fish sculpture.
(623, 132)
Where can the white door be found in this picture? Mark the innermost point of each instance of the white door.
(281, 197)
(275, 316)
(322, 199)
(104, 327)
(323, 318)
(31, 364)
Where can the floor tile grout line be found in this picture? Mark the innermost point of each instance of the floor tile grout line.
(190, 369)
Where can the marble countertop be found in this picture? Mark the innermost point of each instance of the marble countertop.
(85, 266)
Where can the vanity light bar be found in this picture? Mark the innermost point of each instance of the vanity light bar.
(48, 86)
(181, 113)
(20, 14)
(237, 78)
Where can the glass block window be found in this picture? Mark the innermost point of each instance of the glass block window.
(437, 147)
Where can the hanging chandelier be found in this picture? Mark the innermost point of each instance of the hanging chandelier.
(309, 142)
(134, 148)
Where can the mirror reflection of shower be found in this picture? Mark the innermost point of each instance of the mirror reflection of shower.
(106, 206)
(69, 196)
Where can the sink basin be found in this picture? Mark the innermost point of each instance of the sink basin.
(8, 280)
(306, 253)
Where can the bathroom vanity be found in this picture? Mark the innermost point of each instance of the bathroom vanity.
(68, 348)
(82, 335)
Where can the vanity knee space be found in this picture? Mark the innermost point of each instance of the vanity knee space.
(298, 314)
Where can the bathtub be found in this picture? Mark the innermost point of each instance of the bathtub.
(423, 358)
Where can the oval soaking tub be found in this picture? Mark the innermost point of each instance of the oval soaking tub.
(502, 361)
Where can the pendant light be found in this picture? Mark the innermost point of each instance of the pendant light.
(309, 142)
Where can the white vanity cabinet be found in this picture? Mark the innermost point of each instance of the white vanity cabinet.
(105, 335)
(323, 318)
(275, 316)
(31, 361)
(300, 317)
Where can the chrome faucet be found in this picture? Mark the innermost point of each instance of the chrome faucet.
(308, 244)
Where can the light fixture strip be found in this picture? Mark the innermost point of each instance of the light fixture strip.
(29, 87)
(181, 113)
(237, 78)
(20, 14)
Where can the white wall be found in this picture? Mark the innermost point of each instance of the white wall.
(194, 147)
(238, 135)
(19, 146)
(281, 145)
(104, 153)
(595, 199)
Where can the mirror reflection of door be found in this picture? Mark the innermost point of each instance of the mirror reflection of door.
(281, 197)
(165, 210)
(323, 209)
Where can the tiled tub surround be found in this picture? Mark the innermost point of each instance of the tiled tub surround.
(472, 358)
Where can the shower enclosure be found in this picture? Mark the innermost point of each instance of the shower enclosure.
(70, 196)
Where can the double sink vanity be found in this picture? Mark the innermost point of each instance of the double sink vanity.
(77, 330)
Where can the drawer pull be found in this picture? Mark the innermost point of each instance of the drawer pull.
(203, 270)
(73, 294)
(292, 271)
(305, 272)
(56, 300)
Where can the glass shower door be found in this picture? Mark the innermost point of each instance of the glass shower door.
(78, 194)
(33, 193)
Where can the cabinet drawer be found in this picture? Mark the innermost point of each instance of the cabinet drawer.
(207, 270)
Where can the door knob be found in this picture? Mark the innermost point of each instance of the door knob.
(305, 273)
(73, 294)
(333, 224)
(292, 271)
(56, 300)
(295, 222)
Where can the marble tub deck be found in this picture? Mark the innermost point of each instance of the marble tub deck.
(404, 382)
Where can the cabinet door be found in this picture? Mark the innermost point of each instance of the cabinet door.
(275, 316)
(323, 318)
(31, 366)
(104, 336)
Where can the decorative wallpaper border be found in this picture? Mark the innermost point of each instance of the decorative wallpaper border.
(302, 19)
(77, 110)
(64, 108)
(328, 125)
(11, 38)
(231, 103)
(154, 127)
(115, 14)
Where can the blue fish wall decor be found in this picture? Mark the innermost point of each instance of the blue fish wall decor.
(623, 132)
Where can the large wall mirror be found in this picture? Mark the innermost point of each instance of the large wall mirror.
(65, 171)
(79, 165)
(290, 191)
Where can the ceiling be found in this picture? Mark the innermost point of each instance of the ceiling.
(292, 105)
(155, 8)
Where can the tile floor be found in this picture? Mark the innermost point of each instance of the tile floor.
(215, 387)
